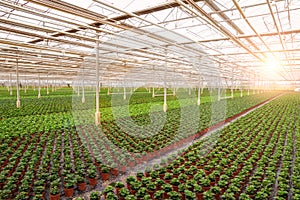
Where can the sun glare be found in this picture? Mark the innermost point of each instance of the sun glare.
(272, 64)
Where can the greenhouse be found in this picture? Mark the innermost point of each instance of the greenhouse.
(140, 99)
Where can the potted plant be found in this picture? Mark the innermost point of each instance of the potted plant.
(122, 165)
(92, 177)
(208, 195)
(250, 189)
(135, 186)
(198, 191)
(147, 171)
(222, 184)
(131, 162)
(129, 179)
(54, 193)
(151, 188)
(175, 182)
(216, 190)
(69, 184)
(260, 195)
(81, 184)
(114, 169)
(139, 175)
(205, 183)
(154, 174)
(95, 195)
(118, 186)
(244, 196)
(141, 192)
(159, 195)
(168, 176)
(182, 178)
(104, 173)
(173, 195)
(189, 195)
(107, 190)
(229, 196)
(111, 196)
(159, 183)
(123, 193)
(167, 188)
(145, 180)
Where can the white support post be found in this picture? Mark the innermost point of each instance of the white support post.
(39, 88)
(153, 94)
(124, 95)
(47, 85)
(83, 97)
(199, 90)
(108, 92)
(25, 85)
(97, 114)
(189, 91)
(165, 108)
(241, 92)
(199, 97)
(18, 89)
(131, 90)
(174, 92)
(52, 89)
(78, 90)
(10, 86)
(219, 89)
(165, 98)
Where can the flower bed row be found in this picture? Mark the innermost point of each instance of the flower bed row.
(46, 162)
(249, 159)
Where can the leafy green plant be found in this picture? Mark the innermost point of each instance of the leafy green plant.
(141, 192)
(244, 196)
(119, 184)
(158, 195)
(54, 190)
(173, 195)
(95, 195)
(124, 192)
(167, 187)
(108, 189)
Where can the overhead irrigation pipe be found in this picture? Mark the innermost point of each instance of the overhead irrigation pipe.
(214, 24)
(71, 9)
(56, 32)
(218, 26)
(249, 24)
(278, 31)
(90, 15)
(253, 29)
(213, 6)
(154, 24)
(51, 38)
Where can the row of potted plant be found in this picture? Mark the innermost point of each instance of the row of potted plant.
(258, 144)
